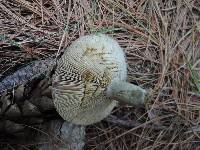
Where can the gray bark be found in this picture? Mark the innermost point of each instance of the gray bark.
(26, 104)
(62, 136)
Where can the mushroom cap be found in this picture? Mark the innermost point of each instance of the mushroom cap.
(82, 76)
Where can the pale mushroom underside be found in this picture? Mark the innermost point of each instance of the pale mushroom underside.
(82, 77)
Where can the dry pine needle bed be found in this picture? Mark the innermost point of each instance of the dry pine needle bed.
(162, 46)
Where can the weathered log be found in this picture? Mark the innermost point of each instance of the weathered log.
(26, 103)
(26, 74)
(61, 135)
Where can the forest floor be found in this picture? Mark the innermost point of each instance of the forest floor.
(161, 40)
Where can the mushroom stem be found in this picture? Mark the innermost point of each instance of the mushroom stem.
(127, 93)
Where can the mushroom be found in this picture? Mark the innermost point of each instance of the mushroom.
(90, 80)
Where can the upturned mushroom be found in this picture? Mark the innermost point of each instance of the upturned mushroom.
(90, 80)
